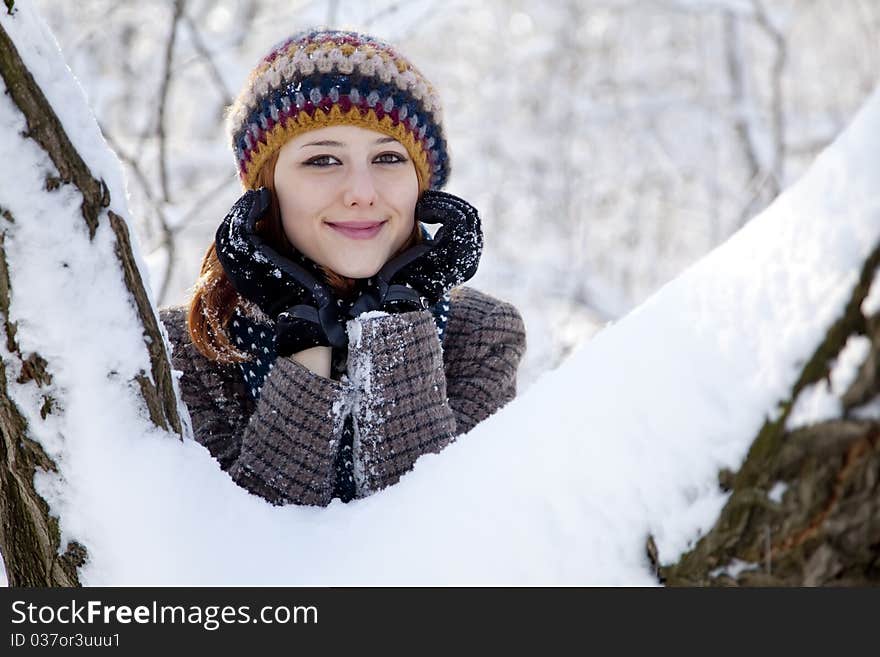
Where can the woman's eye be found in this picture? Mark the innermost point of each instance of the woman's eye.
(390, 158)
(322, 161)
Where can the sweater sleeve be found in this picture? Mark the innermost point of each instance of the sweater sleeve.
(400, 410)
(406, 405)
(482, 378)
(280, 448)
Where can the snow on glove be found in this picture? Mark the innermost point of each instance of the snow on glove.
(306, 312)
(417, 278)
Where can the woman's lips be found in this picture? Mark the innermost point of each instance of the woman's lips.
(358, 230)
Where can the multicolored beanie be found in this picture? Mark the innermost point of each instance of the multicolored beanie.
(328, 77)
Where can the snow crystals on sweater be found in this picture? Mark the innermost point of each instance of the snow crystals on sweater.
(364, 400)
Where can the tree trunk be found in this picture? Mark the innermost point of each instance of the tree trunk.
(29, 536)
(825, 528)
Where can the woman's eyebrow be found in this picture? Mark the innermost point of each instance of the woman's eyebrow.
(339, 144)
(325, 142)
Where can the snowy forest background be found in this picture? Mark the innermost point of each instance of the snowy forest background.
(608, 145)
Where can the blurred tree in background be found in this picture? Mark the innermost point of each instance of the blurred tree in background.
(607, 143)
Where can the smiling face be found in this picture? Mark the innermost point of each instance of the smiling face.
(347, 197)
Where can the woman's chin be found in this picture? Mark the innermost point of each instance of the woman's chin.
(350, 270)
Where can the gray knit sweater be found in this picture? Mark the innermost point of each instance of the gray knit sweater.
(407, 395)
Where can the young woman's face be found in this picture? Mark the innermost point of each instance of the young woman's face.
(347, 197)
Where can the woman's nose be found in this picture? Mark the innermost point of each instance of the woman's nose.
(360, 189)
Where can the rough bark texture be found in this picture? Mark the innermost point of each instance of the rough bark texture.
(29, 537)
(825, 530)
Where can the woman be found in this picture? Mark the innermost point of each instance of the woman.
(329, 343)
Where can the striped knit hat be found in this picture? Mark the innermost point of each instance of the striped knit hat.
(328, 77)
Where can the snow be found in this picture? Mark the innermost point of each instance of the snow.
(562, 486)
(354, 326)
(867, 411)
(734, 569)
(67, 305)
(871, 304)
(775, 494)
(821, 401)
(372, 314)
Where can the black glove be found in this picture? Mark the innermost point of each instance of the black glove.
(417, 278)
(305, 311)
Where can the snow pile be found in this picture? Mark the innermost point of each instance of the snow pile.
(562, 486)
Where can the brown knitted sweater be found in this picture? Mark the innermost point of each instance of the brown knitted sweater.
(407, 395)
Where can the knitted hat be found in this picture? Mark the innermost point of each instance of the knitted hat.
(320, 78)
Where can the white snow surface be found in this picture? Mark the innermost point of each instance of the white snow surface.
(775, 494)
(871, 304)
(822, 400)
(562, 486)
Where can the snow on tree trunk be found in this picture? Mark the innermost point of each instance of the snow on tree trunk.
(804, 508)
(59, 241)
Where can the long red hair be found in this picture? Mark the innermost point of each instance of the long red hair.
(214, 299)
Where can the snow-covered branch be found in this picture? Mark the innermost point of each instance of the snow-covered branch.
(81, 329)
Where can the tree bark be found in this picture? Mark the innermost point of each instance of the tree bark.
(825, 529)
(29, 536)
